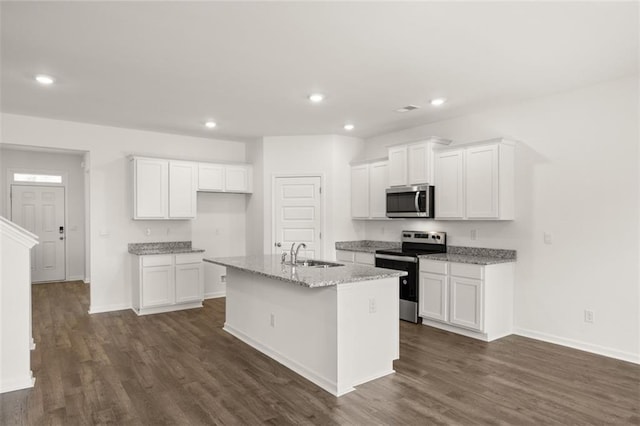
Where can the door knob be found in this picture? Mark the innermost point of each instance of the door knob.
(278, 244)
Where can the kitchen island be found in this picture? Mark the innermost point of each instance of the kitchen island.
(336, 326)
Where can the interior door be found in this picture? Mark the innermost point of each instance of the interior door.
(40, 209)
(297, 215)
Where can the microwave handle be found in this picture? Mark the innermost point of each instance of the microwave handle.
(416, 202)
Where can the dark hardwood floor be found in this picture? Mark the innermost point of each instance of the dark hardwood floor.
(181, 368)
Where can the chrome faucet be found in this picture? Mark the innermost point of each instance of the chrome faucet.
(294, 254)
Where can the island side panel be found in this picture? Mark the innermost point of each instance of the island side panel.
(303, 336)
(368, 330)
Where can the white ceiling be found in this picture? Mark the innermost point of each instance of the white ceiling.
(170, 66)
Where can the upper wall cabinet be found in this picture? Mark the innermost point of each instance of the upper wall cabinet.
(224, 177)
(412, 164)
(163, 189)
(368, 184)
(476, 181)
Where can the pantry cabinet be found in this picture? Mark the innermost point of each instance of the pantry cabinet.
(412, 164)
(476, 181)
(167, 282)
(473, 300)
(368, 184)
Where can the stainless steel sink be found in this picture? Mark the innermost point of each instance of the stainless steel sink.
(317, 263)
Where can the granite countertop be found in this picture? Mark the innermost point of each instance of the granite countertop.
(474, 255)
(172, 247)
(367, 246)
(271, 267)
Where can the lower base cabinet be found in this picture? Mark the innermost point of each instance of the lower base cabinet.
(473, 300)
(167, 282)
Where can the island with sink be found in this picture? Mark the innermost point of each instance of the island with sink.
(334, 324)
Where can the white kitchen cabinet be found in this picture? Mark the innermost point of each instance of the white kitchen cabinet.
(360, 191)
(368, 184)
(449, 183)
(473, 300)
(476, 181)
(412, 164)
(357, 257)
(150, 188)
(168, 282)
(183, 176)
(225, 177)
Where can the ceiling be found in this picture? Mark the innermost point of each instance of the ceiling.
(170, 66)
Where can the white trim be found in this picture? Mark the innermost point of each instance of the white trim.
(75, 278)
(17, 233)
(326, 384)
(576, 344)
(168, 308)
(109, 308)
(32, 346)
(323, 206)
(215, 295)
(14, 385)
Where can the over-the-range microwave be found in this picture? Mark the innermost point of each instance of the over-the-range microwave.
(410, 201)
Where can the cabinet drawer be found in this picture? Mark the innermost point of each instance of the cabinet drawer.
(157, 260)
(365, 258)
(467, 270)
(182, 259)
(344, 256)
(433, 266)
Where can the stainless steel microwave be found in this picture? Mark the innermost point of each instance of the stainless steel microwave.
(410, 201)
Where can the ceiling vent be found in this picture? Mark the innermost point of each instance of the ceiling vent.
(407, 108)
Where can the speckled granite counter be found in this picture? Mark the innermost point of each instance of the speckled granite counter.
(367, 246)
(474, 255)
(171, 247)
(270, 266)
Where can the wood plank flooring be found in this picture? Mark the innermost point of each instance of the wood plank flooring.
(180, 368)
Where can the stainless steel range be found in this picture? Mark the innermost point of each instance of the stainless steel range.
(414, 243)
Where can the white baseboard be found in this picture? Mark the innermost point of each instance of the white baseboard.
(76, 278)
(583, 346)
(322, 382)
(32, 346)
(108, 308)
(86, 280)
(18, 384)
(215, 294)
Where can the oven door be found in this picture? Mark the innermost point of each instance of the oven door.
(409, 202)
(408, 285)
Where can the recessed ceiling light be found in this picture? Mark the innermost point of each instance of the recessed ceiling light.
(316, 97)
(437, 101)
(44, 79)
(349, 127)
(210, 124)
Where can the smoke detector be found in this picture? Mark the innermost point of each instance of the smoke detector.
(407, 108)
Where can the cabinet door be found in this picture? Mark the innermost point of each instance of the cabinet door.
(466, 303)
(210, 177)
(237, 178)
(151, 178)
(360, 191)
(449, 184)
(398, 166)
(482, 185)
(433, 296)
(157, 286)
(378, 183)
(182, 189)
(189, 282)
(419, 164)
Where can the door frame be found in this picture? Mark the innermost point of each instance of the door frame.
(323, 205)
(63, 184)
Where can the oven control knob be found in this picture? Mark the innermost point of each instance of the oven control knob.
(404, 282)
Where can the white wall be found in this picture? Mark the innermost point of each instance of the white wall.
(111, 227)
(70, 164)
(324, 155)
(577, 178)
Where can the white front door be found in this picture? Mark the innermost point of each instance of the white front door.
(40, 209)
(297, 215)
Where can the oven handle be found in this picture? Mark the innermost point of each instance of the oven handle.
(416, 202)
(398, 258)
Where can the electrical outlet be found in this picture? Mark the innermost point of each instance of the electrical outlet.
(272, 321)
(147, 232)
(548, 238)
(589, 316)
(223, 278)
(373, 308)
(474, 234)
